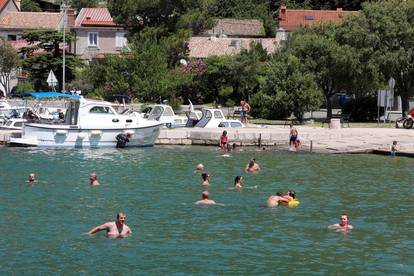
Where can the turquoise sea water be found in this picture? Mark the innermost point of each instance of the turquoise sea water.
(42, 225)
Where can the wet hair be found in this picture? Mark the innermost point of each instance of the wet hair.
(237, 179)
(345, 214)
(204, 194)
(279, 194)
(292, 194)
(204, 176)
(119, 213)
(251, 163)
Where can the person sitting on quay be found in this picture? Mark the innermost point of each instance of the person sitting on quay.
(224, 139)
(93, 179)
(343, 225)
(394, 148)
(114, 229)
(252, 166)
(274, 200)
(206, 179)
(205, 200)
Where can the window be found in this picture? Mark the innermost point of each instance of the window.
(236, 124)
(93, 39)
(120, 40)
(217, 115)
(101, 110)
(11, 37)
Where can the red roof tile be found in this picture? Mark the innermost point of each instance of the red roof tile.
(3, 3)
(203, 47)
(291, 20)
(30, 20)
(237, 27)
(94, 17)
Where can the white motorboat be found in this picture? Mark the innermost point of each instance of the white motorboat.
(88, 123)
(213, 117)
(165, 115)
(13, 124)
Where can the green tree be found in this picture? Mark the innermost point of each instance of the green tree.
(79, 4)
(390, 25)
(143, 72)
(9, 62)
(288, 89)
(324, 57)
(30, 6)
(44, 54)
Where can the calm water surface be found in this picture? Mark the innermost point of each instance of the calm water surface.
(42, 225)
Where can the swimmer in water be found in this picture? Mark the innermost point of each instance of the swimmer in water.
(274, 200)
(93, 179)
(343, 225)
(206, 179)
(238, 181)
(31, 178)
(114, 229)
(252, 166)
(199, 169)
(205, 200)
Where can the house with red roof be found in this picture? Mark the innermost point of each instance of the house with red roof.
(291, 19)
(97, 34)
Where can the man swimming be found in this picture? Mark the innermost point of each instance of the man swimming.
(274, 200)
(93, 179)
(343, 224)
(205, 200)
(252, 166)
(199, 168)
(32, 178)
(114, 229)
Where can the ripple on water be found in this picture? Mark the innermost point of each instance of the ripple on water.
(157, 189)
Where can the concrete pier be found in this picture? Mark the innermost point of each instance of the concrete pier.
(315, 139)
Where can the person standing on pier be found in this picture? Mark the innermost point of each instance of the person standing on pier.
(245, 109)
(293, 136)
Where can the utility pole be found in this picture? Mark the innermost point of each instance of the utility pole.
(64, 8)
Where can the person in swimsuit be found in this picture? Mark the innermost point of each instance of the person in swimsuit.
(224, 140)
(206, 179)
(394, 148)
(274, 200)
(252, 166)
(238, 181)
(245, 109)
(292, 136)
(31, 178)
(114, 229)
(93, 179)
(343, 224)
(205, 200)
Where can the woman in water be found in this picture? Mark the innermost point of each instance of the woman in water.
(238, 181)
(206, 179)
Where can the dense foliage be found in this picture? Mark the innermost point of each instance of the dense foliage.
(9, 62)
(30, 6)
(44, 54)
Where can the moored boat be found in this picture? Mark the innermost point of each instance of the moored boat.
(88, 124)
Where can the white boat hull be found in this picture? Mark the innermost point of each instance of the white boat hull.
(65, 136)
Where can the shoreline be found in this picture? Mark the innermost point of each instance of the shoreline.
(313, 139)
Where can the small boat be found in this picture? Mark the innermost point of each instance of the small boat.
(213, 117)
(13, 124)
(165, 115)
(89, 124)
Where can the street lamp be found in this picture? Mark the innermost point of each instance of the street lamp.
(64, 8)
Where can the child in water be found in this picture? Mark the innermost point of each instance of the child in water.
(394, 148)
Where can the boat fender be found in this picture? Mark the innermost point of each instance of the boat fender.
(81, 136)
(95, 133)
(61, 132)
